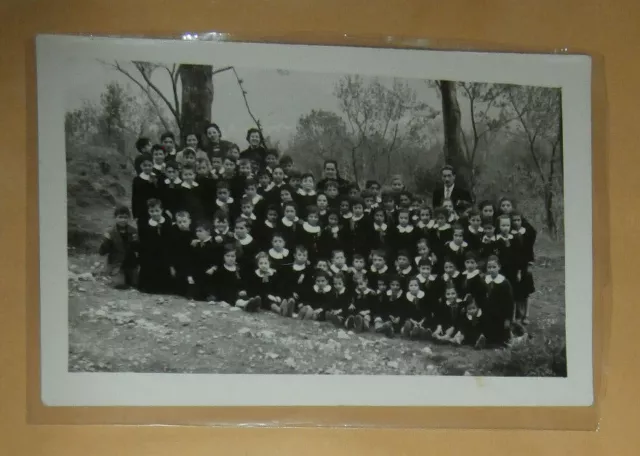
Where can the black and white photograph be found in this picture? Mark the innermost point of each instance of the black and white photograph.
(255, 214)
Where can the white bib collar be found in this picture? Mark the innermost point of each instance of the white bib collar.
(245, 241)
(498, 280)
(506, 238)
(472, 274)
(230, 268)
(405, 271)
(299, 267)
(288, 223)
(268, 273)
(411, 297)
(478, 314)
(303, 192)
(145, 176)
(522, 230)
(176, 181)
(453, 246)
(194, 184)
(446, 226)
(446, 276)
(379, 271)
(474, 231)
(326, 289)
(154, 223)
(248, 217)
(405, 229)
(310, 229)
(273, 253)
(380, 228)
(336, 270)
(486, 239)
(223, 203)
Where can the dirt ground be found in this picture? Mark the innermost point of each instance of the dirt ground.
(127, 331)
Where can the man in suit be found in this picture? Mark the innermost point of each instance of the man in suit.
(449, 189)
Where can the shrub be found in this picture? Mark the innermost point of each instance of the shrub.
(539, 357)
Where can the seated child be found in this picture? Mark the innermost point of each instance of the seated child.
(420, 326)
(340, 300)
(364, 301)
(203, 264)
(381, 315)
(358, 267)
(120, 244)
(230, 285)
(155, 276)
(472, 325)
(380, 232)
(318, 299)
(264, 283)
(279, 255)
(297, 279)
(428, 281)
(450, 311)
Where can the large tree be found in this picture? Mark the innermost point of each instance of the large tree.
(453, 134)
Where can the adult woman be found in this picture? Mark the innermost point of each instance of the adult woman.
(215, 145)
(330, 172)
(256, 151)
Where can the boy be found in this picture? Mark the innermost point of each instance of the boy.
(168, 141)
(239, 182)
(364, 302)
(143, 188)
(155, 276)
(375, 188)
(143, 146)
(378, 268)
(360, 228)
(442, 233)
(278, 254)
(333, 237)
(294, 179)
(271, 160)
(474, 231)
(404, 267)
(217, 170)
(247, 212)
(370, 203)
(273, 195)
(339, 263)
(222, 235)
(224, 201)
(230, 286)
(191, 197)
(264, 183)
(286, 162)
(340, 300)
(170, 189)
(246, 247)
(380, 230)
(204, 264)
(318, 299)
(251, 192)
(389, 205)
(289, 224)
(158, 156)
(120, 244)
(332, 190)
(297, 279)
(180, 258)
(265, 230)
(306, 195)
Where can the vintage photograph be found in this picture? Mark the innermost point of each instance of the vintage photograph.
(225, 216)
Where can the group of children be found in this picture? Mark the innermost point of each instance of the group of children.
(259, 235)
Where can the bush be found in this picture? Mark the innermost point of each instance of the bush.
(540, 357)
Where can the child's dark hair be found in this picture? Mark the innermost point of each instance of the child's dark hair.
(157, 147)
(388, 196)
(474, 213)
(470, 256)
(320, 273)
(260, 256)
(335, 252)
(192, 133)
(294, 174)
(234, 146)
(222, 185)
(485, 203)
(384, 278)
(285, 160)
(250, 131)
(339, 276)
(141, 143)
(290, 204)
(188, 151)
(241, 221)
(217, 156)
(493, 258)
(272, 152)
(229, 248)
(515, 214)
(357, 200)
(145, 157)
(457, 227)
(183, 214)
(367, 194)
(488, 222)
(272, 207)
(204, 225)
(463, 205)
(394, 278)
(406, 193)
(378, 209)
(278, 167)
(263, 173)
(249, 182)
(301, 249)
(331, 183)
(166, 135)
(379, 253)
(313, 209)
(277, 234)
(424, 262)
(308, 174)
(220, 216)
(404, 253)
(172, 164)
(332, 211)
(370, 183)
(153, 202)
(122, 210)
(244, 162)
(404, 210)
(440, 211)
(449, 260)
(246, 201)
(345, 199)
(357, 256)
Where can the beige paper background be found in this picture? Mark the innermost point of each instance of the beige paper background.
(606, 29)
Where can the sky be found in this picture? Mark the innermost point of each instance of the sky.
(277, 98)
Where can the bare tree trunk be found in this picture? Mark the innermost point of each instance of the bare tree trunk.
(354, 163)
(197, 98)
(454, 155)
(548, 207)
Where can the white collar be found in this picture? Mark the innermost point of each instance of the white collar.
(245, 241)
(268, 223)
(419, 258)
(218, 233)
(256, 199)
(215, 173)
(194, 184)
(522, 230)
(471, 275)
(380, 271)
(299, 267)
(479, 230)
(159, 167)
(411, 297)
(446, 226)
(303, 192)
(405, 229)
(498, 280)
(335, 269)
(317, 289)
(286, 222)
(406, 270)
(334, 229)
(363, 293)
(382, 227)
(390, 294)
(176, 181)
(249, 217)
(310, 229)
(269, 187)
(453, 246)
(269, 273)
(486, 238)
(449, 304)
(222, 203)
(273, 253)
(421, 278)
(378, 199)
(230, 268)
(507, 238)
(207, 240)
(154, 223)
(479, 314)
(357, 219)
(341, 292)
(144, 176)
(446, 276)
(453, 217)
(427, 225)
(347, 216)
(279, 185)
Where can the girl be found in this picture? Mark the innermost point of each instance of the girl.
(507, 249)
(289, 224)
(345, 211)
(452, 277)
(389, 205)
(333, 237)
(155, 274)
(143, 188)
(403, 237)
(180, 260)
(231, 286)
(488, 246)
(360, 228)
(418, 327)
(251, 192)
(526, 238)
(191, 197)
(340, 300)
(379, 233)
(403, 265)
(450, 311)
(246, 247)
(499, 304)
(273, 195)
(364, 300)
(297, 279)
(309, 235)
(278, 253)
(264, 231)
(425, 253)
(472, 325)
(425, 223)
(170, 189)
(332, 190)
(472, 281)
(397, 307)
(203, 263)
(264, 283)
(323, 208)
(487, 210)
(306, 195)
(474, 231)
(442, 233)
(318, 299)
(271, 160)
(452, 217)
(168, 140)
(457, 248)
(404, 201)
(381, 314)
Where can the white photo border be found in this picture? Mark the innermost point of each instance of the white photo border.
(59, 387)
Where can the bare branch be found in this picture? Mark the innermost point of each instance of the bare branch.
(175, 110)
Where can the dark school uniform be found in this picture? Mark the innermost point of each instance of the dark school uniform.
(159, 172)
(257, 154)
(364, 302)
(237, 185)
(487, 248)
(424, 230)
(295, 280)
(441, 236)
(391, 217)
(406, 274)
(361, 234)
(139, 159)
(181, 257)
(247, 249)
(170, 195)
(263, 231)
(332, 238)
(473, 283)
(432, 288)
(456, 279)
(154, 274)
(227, 282)
(309, 237)
(431, 258)
(345, 271)
(320, 300)
(220, 239)
(340, 301)
(259, 206)
(143, 188)
(474, 238)
(263, 191)
(281, 259)
(203, 258)
(422, 309)
(456, 253)
(379, 236)
(323, 215)
(290, 230)
(263, 284)
(507, 250)
(207, 191)
(228, 206)
(499, 308)
(449, 314)
(121, 247)
(472, 327)
(304, 199)
(373, 275)
(191, 201)
(399, 309)
(251, 219)
(525, 240)
(272, 196)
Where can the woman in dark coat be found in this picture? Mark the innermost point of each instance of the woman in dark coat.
(214, 144)
(256, 151)
(331, 173)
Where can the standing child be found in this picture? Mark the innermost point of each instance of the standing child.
(457, 249)
(188, 158)
(507, 249)
(333, 237)
(370, 203)
(332, 190)
(474, 232)
(230, 285)
(155, 276)
(452, 216)
(271, 160)
(273, 195)
(191, 197)
(168, 140)
(120, 244)
(323, 208)
(403, 236)
(526, 238)
(404, 268)
(380, 229)
(404, 202)
(425, 223)
(279, 255)
(170, 189)
(180, 260)
(265, 230)
(224, 202)
(442, 234)
(487, 211)
(286, 162)
(157, 153)
(230, 167)
(473, 282)
(217, 170)
(203, 264)
(239, 181)
(389, 206)
(294, 180)
(310, 232)
(143, 146)
(290, 224)
(143, 188)
(499, 304)
(345, 212)
(306, 195)
(207, 186)
(488, 246)
(376, 189)
(360, 228)
(247, 212)
(258, 202)
(397, 184)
